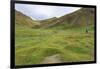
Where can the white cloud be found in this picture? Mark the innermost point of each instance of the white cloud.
(36, 13)
(44, 12)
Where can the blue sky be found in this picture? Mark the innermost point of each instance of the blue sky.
(40, 12)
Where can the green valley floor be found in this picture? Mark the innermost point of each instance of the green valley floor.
(36, 46)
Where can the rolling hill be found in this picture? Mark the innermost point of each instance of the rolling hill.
(23, 20)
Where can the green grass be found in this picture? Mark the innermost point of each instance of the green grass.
(33, 45)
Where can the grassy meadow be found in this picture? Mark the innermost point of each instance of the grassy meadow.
(72, 44)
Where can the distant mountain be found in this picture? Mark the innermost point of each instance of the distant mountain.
(23, 20)
(79, 18)
(48, 22)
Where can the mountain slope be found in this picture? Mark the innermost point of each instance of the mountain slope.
(23, 20)
(79, 18)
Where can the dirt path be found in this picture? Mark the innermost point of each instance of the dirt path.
(52, 59)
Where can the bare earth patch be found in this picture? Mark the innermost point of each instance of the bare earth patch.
(52, 59)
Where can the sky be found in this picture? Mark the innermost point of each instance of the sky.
(40, 12)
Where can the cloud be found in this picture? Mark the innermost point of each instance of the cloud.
(43, 12)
